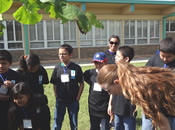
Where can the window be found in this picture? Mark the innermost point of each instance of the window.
(129, 32)
(36, 35)
(47, 34)
(69, 33)
(154, 31)
(101, 35)
(114, 28)
(53, 33)
(14, 35)
(141, 31)
(170, 26)
(1, 42)
(86, 40)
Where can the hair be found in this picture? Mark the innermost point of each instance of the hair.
(5, 55)
(20, 88)
(127, 51)
(115, 36)
(152, 88)
(67, 47)
(33, 102)
(31, 60)
(167, 45)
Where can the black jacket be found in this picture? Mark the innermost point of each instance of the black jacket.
(37, 111)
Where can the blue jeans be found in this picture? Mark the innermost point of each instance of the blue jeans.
(96, 121)
(124, 123)
(147, 123)
(60, 109)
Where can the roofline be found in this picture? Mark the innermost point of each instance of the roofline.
(159, 2)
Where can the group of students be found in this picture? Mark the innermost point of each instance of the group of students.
(23, 104)
(116, 88)
(151, 87)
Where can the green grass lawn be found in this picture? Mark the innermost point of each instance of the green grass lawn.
(83, 116)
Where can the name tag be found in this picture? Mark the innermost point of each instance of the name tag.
(64, 78)
(3, 89)
(97, 87)
(27, 123)
(40, 79)
(72, 74)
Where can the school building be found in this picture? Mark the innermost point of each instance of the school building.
(139, 23)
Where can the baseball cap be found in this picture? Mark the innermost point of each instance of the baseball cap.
(99, 57)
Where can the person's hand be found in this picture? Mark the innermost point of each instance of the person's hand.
(78, 98)
(8, 84)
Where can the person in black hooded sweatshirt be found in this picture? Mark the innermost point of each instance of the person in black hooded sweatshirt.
(28, 111)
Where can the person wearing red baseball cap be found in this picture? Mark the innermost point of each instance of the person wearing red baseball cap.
(98, 98)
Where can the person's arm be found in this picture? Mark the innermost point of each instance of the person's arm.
(164, 125)
(86, 75)
(80, 90)
(110, 106)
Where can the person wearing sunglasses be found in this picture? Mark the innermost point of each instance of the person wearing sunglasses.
(114, 42)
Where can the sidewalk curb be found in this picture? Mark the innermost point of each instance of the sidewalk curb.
(51, 66)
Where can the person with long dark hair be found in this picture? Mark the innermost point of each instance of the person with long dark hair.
(32, 72)
(28, 111)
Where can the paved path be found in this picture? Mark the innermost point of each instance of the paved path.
(81, 63)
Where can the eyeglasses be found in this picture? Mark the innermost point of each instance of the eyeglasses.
(62, 54)
(116, 43)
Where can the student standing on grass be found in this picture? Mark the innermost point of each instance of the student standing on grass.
(32, 72)
(28, 111)
(98, 98)
(114, 42)
(67, 79)
(152, 88)
(165, 59)
(8, 78)
(118, 104)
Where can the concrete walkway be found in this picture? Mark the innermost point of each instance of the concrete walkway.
(81, 62)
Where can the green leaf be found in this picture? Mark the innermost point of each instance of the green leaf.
(56, 15)
(71, 12)
(5, 5)
(58, 4)
(2, 27)
(25, 16)
(93, 20)
(83, 23)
